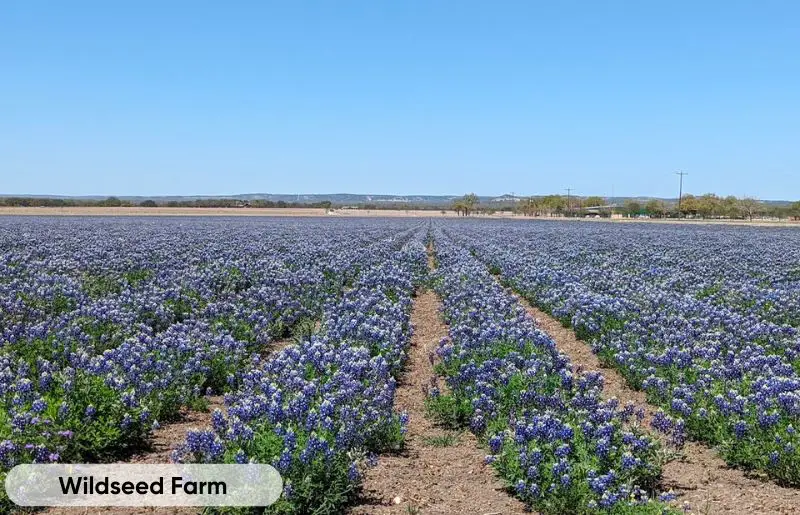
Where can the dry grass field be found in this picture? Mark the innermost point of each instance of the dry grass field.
(390, 213)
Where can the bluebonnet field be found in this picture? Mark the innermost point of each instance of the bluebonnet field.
(320, 410)
(111, 326)
(705, 320)
(550, 435)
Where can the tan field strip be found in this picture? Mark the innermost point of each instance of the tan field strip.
(388, 213)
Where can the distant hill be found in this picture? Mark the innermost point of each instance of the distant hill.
(345, 199)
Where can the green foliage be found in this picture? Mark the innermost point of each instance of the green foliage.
(97, 438)
(136, 277)
(233, 280)
(449, 411)
(97, 286)
(238, 329)
(103, 334)
(57, 305)
(391, 293)
(304, 329)
(709, 291)
(447, 439)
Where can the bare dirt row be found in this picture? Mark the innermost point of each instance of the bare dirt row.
(699, 476)
(427, 477)
(437, 471)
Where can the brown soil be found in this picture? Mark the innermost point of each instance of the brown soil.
(698, 476)
(276, 346)
(170, 435)
(425, 478)
(110, 510)
(221, 211)
(159, 211)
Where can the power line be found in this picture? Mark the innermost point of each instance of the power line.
(611, 199)
(680, 190)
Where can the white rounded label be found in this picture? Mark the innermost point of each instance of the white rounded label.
(120, 484)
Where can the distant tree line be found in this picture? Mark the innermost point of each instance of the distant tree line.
(117, 202)
(708, 206)
(62, 202)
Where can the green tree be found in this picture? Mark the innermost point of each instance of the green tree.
(553, 203)
(729, 207)
(656, 208)
(794, 210)
(470, 201)
(633, 208)
(708, 205)
(594, 201)
(466, 204)
(689, 205)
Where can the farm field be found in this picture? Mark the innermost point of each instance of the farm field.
(405, 365)
(355, 213)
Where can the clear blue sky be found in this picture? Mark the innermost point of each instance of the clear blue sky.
(403, 97)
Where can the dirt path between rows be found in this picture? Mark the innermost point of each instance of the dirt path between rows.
(438, 471)
(167, 437)
(699, 477)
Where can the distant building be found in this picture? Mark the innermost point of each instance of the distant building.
(506, 198)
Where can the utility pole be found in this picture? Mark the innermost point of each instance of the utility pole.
(569, 203)
(611, 200)
(680, 190)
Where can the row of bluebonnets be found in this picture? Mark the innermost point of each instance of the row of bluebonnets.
(706, 320)
(110, 326)
(554, 440)
(321, 410)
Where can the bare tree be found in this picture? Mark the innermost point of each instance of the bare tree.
(750, 207)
